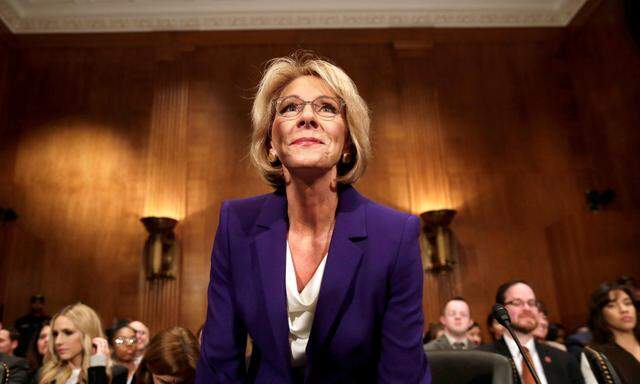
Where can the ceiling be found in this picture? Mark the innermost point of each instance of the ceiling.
(62, 16)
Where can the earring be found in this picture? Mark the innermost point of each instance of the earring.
(272, 157)
(346, 157)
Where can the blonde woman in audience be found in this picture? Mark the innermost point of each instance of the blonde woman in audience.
(170, 357)
(78, 351)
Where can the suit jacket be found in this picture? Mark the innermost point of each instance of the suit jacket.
(559, 367)
(440, 344)
(19, 372)
(368, 320)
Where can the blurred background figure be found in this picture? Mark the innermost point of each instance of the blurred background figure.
(29, 324)
(495, 329)
(613, 320)
(78, 350)
(541, 333)
(8, 341)
(474, 334)
(142, 335)
(456, 319)
(38, 347)
(170, 357)
(123, 340)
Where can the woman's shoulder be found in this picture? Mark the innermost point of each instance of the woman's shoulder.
(384, 214)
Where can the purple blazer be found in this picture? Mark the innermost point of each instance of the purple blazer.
(368, 321)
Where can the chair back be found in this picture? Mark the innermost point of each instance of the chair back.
(469, 367)
(601, 367)
(4, 372)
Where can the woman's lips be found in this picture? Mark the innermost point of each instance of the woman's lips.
(306, 141)
(61, 350)
(627, 319)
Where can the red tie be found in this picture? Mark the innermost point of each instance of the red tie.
(527, 378)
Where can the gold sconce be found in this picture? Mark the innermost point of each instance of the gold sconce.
(437, 242)
(161, 250)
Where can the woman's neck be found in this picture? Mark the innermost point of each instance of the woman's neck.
(311, 202)
(76, 362)
(627, 340)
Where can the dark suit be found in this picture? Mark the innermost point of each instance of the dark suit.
(18, 369)
(559, 367)
(368, 321)
(441, 344)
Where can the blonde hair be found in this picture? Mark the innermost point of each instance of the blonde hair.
(279, 73)
(87, 322)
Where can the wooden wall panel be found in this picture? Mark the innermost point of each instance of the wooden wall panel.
(508, 127)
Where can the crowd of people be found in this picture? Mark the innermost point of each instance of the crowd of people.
(611, 335)
(72, 348)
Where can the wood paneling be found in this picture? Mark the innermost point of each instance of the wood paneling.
(509, 127)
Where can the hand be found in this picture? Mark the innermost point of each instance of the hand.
(100, 346)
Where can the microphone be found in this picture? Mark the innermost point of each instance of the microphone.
(501, 315)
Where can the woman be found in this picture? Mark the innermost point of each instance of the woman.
(613, 320)
(327, 283)
(78, 351)
(38, 347)
(124, 343)
(170, 357)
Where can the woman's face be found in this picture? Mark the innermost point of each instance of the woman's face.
(308, 142)
(67, 340)
(620, 313)
(43, 340)
(124, 344)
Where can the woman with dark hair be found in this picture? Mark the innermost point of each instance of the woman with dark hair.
(170, 357)
(38, 347)
(613, 320)
(123, 341)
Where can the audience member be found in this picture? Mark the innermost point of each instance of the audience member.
(542, 330)
(29, 324)
(613, 319)
(456, 320)
(551, 365)
(434, 330)
(18, 369)
(38, 347)
(171, 357)
(78, 351)
(142, 335)
(556, 333)
(474, 334)
(124, 343)
(578, 340)
(495, 329)
(8, 341)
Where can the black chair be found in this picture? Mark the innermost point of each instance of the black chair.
(469, 367)
(4, 372)
(601, 367)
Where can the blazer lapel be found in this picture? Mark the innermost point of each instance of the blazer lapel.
(269, 248)
(547, 363)
(341, 266)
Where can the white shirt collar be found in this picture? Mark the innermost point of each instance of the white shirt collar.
(451, 340)
(517, 356)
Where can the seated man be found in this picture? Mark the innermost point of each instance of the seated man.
(551, 365)
(456, 321)
(8, 341)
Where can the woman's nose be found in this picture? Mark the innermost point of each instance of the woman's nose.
(307, 117)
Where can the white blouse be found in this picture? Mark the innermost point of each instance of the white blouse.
(301, 308)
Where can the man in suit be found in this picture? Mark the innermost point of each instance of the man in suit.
(551, 365)
(18, 369)
(456, 319)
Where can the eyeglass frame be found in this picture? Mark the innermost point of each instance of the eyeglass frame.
(341, 106)
(123, 341)
(528, 303)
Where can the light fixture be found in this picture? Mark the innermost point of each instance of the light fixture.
(161, 251)
(437, 243)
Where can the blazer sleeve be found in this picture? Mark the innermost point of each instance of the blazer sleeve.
(402, 358)
(223, 337)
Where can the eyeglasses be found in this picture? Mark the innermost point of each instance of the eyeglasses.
(324, 106)
(125, 341)
(520, 303)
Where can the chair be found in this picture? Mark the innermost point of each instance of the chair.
(601, 367)
(4, 372)
(469, 367)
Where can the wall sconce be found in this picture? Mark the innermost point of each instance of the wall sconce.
(437, 243)
(161, 248)
(597, 199)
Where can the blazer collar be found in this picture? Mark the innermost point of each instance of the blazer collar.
(341, 266)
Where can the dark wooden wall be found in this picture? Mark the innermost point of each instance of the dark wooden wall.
(509, 127)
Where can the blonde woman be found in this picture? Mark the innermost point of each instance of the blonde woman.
(327, 283)
(78, 351)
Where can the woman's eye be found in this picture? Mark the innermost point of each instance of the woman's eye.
(328, 108)
(55, 333)
(68, 333)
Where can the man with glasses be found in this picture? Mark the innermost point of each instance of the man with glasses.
(551, 365)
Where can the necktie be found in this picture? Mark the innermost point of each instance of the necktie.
(458, 345)
(527, 378)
